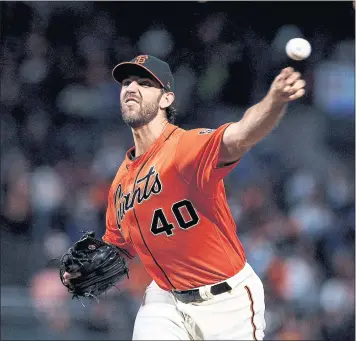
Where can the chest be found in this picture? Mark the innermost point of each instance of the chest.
(149, 196)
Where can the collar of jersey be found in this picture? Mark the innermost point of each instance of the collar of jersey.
(170, 128)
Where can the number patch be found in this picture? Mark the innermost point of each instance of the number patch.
(161, 225)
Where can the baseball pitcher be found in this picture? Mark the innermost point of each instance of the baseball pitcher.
(167, 204)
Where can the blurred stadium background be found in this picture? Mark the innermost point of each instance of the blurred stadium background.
(62, 139)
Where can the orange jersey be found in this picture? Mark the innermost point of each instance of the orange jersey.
(169, 206)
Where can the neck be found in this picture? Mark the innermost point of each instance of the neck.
(145, 136)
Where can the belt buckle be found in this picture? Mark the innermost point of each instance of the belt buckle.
(194, 296)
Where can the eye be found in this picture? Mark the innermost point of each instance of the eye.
(145, 83)
(126, 82)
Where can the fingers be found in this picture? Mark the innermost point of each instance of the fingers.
(294, 87)
(68, 276)
(299, 84)
(299, 93)
(292, 78)
(289, 84)
(286, 72)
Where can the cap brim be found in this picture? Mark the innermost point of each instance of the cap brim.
(124, 70)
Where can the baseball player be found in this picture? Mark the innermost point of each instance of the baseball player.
(167, 204)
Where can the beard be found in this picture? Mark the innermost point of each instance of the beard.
(137, 118)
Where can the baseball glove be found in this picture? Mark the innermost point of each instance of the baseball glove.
(100, 265)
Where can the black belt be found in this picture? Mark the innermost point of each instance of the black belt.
(193, 295)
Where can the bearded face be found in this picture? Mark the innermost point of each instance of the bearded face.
(138, 114)
(140, 99)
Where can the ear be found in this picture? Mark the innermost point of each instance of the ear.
(166, 100)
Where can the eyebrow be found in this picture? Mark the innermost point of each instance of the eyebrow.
(137, 78)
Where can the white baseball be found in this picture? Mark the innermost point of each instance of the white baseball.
(298, 49)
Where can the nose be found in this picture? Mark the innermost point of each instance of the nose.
(132, 87)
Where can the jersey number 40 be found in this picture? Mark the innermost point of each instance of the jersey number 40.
(161, 225)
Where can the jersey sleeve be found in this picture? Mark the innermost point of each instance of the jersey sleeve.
(113, 234)
(197, 155)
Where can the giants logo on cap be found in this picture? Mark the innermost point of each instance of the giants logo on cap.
(141, 59)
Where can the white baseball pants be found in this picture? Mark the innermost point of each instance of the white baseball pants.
(234, 315)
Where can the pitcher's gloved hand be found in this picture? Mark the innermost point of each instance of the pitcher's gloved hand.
(91, 267)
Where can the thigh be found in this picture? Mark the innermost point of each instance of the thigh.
(249, 305)
(251, 315)
(158, 317)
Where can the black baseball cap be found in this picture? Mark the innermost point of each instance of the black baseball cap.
(148, 66)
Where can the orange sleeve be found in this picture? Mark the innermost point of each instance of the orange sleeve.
(197, 155)
(113, 234)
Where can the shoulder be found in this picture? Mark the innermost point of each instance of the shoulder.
(197, 132)
(191, 141)
(199, 135)
(203, 131)
(194, 132)
(195, 140)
